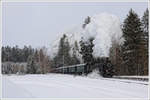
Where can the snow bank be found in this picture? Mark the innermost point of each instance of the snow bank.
(105, 28)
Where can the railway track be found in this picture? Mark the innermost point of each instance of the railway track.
(133, 78)
(126, 81)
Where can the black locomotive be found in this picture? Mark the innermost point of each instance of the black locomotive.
(105, 66)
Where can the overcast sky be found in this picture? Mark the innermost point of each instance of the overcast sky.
(38, 24)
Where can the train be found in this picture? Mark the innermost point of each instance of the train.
(104, 65)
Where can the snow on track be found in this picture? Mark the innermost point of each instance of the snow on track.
(68, 86)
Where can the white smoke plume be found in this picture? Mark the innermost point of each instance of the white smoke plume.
(104, 28)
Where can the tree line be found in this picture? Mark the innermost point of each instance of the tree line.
(16, 54)
(25, 61)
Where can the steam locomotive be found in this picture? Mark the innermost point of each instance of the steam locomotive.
(106, 68)
(102, 64)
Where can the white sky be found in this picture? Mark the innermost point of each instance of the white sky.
(38, 24)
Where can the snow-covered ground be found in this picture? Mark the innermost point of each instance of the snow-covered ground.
(69, 86)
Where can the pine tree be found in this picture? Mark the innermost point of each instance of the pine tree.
(43, 61)
(87, 49)
(145, 27)
(63, 56)
(132, 34)
(3, 54)
(74, 59)
(26, 53)
(66, 53)
(87, 21)
(37, 61)
(36, 55)
(86, 52)
(31, 65)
